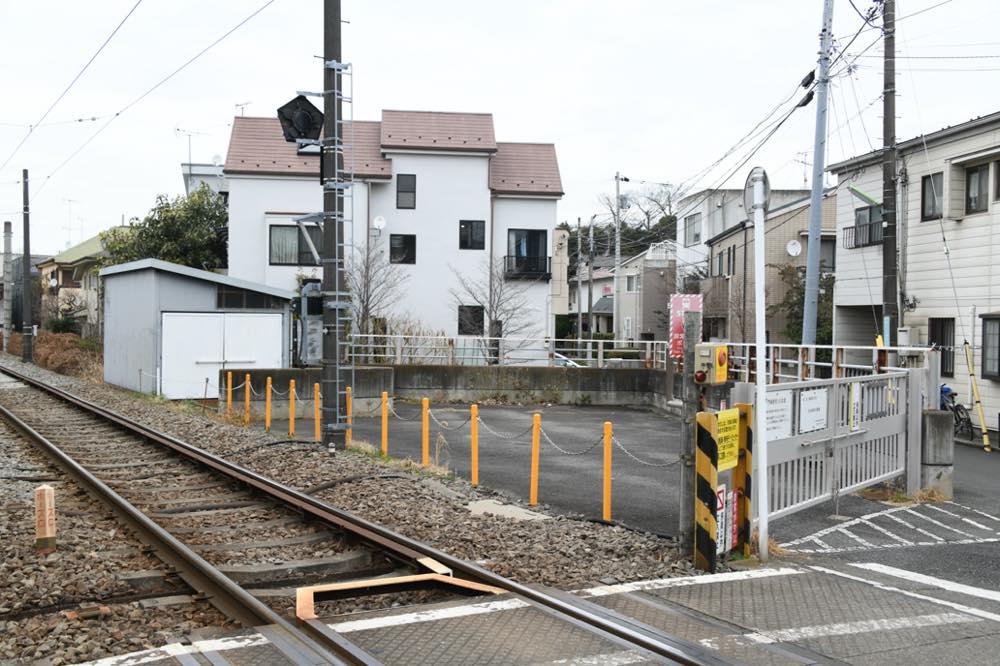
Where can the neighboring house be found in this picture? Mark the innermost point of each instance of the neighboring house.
(210, 174)
(707, 213)
(729, 302)
(601, 294)
(435, 194)
(71, 286)
(17, 279)
(644, 289)
(948, 198)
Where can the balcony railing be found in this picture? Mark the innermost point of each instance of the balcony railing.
(518, 267)
(863, 235)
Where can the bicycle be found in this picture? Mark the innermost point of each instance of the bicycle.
(949, 402)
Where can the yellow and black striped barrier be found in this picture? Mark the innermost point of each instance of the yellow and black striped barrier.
(706, 469)
(743, 477)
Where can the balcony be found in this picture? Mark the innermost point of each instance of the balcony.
(715, 292)
(527, 268)
(863, 235)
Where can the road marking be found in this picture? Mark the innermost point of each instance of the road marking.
(859, 627)
(969, 508)
(914, 527)
(891, 535)
(939, 523)
(610, 659)
(962, 608)
(924, 579)
(662, 583)
(852, 535)
(428, 615)
(962, 518)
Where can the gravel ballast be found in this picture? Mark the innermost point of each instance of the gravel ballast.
(563, 551)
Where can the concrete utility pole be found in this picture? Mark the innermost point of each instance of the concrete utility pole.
(690, 400)
(336, 299)
(616, 311)
(26, 326)
(758, 180)
(811, 305)
(8, 285)
(890, 288)
(590, 283)
(579, 280)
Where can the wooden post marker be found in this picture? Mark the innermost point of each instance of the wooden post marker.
(45, 520)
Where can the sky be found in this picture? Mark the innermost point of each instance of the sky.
(656, 89)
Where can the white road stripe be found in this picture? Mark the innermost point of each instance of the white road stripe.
(969, 508)
(962, 608)
(609, 659)
(830, 530)
(914, 527)
(923, 579)
(884, 546)
(939, 523)
(822, 544)
(891, 535)
(451, 612)
(848, 533)
(795, 634)
(962, 518)
(663, 583)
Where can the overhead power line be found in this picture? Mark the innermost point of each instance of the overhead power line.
(71, 84)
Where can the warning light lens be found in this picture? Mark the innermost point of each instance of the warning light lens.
(699, 376)
(722, 357)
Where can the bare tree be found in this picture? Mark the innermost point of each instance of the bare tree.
(375, 286)
(493, 305)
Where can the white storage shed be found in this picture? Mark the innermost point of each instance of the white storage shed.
(169, 329)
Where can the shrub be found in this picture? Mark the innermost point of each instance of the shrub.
(61, 324)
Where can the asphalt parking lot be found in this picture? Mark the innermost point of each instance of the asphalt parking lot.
(643, 495)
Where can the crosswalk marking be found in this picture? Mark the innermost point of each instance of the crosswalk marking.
(939, 523)
(962, 518)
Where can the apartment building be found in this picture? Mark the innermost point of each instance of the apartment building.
(436, 198)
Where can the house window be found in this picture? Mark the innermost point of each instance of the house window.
(732, 260)
(471, 319)
(406, 190)
(233, 298)
(714, 328)
(692, 230)
(996, 181)
(627, 329)
(402, 249)
(941, 332)
(931, 188)
(719, 258)
(976, 188)
(472, 235)
(526, 252)
(867, 229)
(289, 248)
(632, 283)
(991, 347)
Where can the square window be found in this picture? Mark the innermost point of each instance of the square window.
(289, 248)
(976, 188)
(931, 189)
(402, 249)
(471, 319)
(941, 332)
(692, 230)
(406, 190)
(632, 283)
(471, 235)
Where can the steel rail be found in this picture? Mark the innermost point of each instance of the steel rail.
(218, 589)
(403, 547)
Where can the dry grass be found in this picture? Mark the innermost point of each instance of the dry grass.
(929, 495)
(772, 546)
(402, 464)
(65, 353)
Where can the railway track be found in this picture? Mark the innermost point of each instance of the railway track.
(244, 541)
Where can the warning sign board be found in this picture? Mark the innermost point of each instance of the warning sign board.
(721, 521)
(728, 438)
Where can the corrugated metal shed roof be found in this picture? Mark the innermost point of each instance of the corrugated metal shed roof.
(525, 168)
(197, 274)
(438, 130)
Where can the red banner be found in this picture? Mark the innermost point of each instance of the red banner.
(679, 304)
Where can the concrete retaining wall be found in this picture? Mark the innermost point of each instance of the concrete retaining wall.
(463, 384)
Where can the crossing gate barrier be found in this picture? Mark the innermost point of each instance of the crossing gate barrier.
(722, 518)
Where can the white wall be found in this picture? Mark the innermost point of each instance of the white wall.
(859, 271)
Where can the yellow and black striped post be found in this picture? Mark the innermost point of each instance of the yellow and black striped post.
(743, 478)
(706, 480)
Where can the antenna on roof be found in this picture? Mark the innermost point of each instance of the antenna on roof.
(242, 107)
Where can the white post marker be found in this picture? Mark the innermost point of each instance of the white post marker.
(757, 185)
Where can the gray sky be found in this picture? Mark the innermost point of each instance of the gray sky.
(656, 89)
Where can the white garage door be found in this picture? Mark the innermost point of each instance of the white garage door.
(197, 345)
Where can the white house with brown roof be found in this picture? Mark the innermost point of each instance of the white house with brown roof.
(454, 201)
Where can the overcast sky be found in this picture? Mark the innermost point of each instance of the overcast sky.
(658, 90)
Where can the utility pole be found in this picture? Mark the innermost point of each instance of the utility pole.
(8, 285)
(579, 280)
(759, 184)
(336, 299)
(690, 402)
(890, 289)
(26, 295)
(590, 284)
(811, 305)
(616, 310)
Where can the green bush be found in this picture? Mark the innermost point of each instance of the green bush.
(61, 325)
(604, 336)
(630, 354)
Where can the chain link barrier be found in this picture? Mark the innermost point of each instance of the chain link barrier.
(503, 435)
(558, 448)
(640, 460)
(443, 424)
(392, 410)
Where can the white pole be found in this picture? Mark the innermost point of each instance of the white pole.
(760, 339)
(616, 307)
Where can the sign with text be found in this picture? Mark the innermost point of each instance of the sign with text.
(778, 415)
(854, 416)
(728, 438)
(679, 304)
(812, 410)
(721, 521)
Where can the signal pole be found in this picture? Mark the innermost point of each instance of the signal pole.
(890, 289)
(336, 299)
(26, 290)
(811, 305)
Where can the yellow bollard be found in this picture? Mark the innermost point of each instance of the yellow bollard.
(536, 426)
(425, 447)
(45, 520)
(350, 417)
(474, 422)
(229, 393)
(385, 424)
(246, 400)
(316, 418)
(291, 408)
(607, 471)
(267, 406)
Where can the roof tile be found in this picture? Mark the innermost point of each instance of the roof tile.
(438, 130)
(525, 168)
